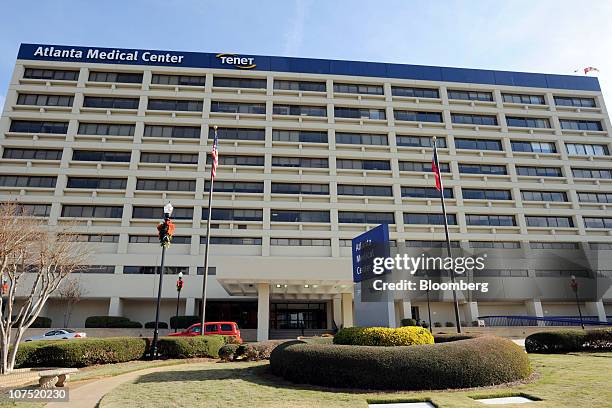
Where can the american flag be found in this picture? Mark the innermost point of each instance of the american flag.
(215, 156)
(436, 170)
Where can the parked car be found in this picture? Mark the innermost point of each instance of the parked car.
(222, 328)
(58, 334)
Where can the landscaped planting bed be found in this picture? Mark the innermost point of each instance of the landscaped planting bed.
(566, 341)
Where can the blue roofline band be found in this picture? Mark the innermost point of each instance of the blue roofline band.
(302, 65)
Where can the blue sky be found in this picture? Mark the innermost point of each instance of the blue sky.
(554, 36)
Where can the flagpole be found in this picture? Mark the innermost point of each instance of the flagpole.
(206, 250)
(448, 243)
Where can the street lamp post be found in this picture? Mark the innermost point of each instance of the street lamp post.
(574, 286)
(165, 232)
(179, 286)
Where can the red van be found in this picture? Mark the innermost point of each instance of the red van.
(222, 328)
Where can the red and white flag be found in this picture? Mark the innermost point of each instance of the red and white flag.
(586, 70)
(436, 170)
(215, 157)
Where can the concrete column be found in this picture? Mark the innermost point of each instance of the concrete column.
(407, 309)
(190, 307)
(596, 309)
(470, 312)
(347, 309)
(115, 307)
(534, 308)
(337, 311)
(263, 311)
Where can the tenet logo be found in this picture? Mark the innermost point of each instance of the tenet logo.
(237, 61)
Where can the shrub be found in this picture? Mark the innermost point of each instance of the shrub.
(81, 353)
(183, 322)
(318, 340)
(231, 340)
(160, 325)
(408, 322)
(565, 341)
(383, 336)
(437, 324)
(447, 338)
(228, 352)
(190, 347)
(258, 351)
(424, 324)
(40, 322)
(483, 361)
(449, 324)
(114, 322)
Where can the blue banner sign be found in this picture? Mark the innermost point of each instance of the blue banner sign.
(367, 246)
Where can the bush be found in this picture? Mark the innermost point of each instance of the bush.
(318, 340)
(228, 352)
(111, 322)
(160, 325)
(483, 361)
(449, 324)
(447, 338)
(80, 353)
(258, 351)
(424, 324)
(231, 340)
(565, 341)
(41, 323)
(437, 324)
(183, 322)
(383, 336)
(408, 322)
(190, 347)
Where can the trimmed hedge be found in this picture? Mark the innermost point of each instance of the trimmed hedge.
(228, 352)
(250, 352)
(191, 347)
(408, 322)
(111, 322)
(160, 325)
(383, 336)
(449, 337)
(81, 352)
(570, 340)
(40, 322)
(476, 362)
(183, 322)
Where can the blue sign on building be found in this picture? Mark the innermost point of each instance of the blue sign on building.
(367, 246)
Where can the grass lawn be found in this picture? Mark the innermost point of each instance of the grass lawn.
(569, 380)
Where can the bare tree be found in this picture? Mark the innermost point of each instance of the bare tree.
(70, 292)
(34, 260)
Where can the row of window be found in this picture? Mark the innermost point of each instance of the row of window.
(311, 86)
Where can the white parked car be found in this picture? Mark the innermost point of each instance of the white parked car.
(58, 334)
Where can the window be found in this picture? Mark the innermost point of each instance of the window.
(524, 99)
(361, 139)
(552, 222)
(297, 242)
(420, 141)
(417, 116)
(597, 222)
(364, 190)
(51, 74)
(154, 239)
(121, 77)
(299, 216)
(575, 101)
(588, 125)
(463, 118)
(482, 169)
(300, 188)
(101, 156)
(356, 164)
(237, 134)
(478, 144)
(422, 166)
(211, 271)
(495, 244)
(358, 89)
(592, 173)
(415, 92)
(429, 219)
(31, 154)
(310, 162)
(606, 246)
(539, 171)
(234, 214)
(106, 129)
(179, 213)
(154, 270)
(309, 86)
(44, 100)
(579, 149)
(229, 160)
(96, 269)
(425, 192)
(534, 147)
(97, 183)
(605, 198)
(299, 110)
(35, 210)
(110, 102)
(527, 122)
(27, 181)
(188, 80)
(553, 245)
(236, 187)
(552, 196)
(176, 105)
(303, 136)
(112, 239)
(174, 158)
(361, 217)
(165, 185)
(178, 132)
(470, 95)
(231, 241)
(490, 220)
(236, 107)
(92, 211)
(31, 126)
(430, 244)
(228, 82)
(478, 194)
